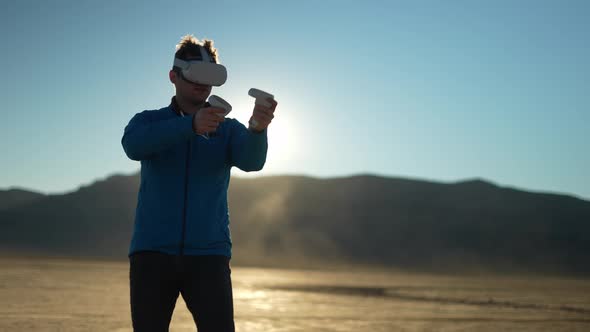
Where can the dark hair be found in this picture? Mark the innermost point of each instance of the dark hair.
(189, 47)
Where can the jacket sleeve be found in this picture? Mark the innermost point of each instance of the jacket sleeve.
(143, 137)
(247, 149)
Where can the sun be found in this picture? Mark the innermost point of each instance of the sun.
(282, 142)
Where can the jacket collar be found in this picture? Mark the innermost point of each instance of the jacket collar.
(174, 106)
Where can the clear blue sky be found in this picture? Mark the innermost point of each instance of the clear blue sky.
(438, 90)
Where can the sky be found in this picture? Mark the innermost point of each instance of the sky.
(434, 90)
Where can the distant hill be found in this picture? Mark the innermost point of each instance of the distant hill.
(371, 220)
(17, 197)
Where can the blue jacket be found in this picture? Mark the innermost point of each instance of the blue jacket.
(182, 199)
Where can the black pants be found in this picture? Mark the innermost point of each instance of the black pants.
(156, 279)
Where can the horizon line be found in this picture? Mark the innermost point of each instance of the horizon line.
(341, 176)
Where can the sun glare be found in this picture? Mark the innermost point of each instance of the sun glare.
(283, 142)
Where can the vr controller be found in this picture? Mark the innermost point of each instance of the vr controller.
(217, 101)
(261, 97)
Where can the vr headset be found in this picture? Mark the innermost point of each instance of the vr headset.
(204, 71)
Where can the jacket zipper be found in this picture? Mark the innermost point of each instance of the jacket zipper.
(188, 157)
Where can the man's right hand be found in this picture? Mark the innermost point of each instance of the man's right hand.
(207, 119)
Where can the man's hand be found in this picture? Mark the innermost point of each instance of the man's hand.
(207, 119)
(262, 115)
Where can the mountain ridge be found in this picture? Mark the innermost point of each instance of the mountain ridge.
(286, 220)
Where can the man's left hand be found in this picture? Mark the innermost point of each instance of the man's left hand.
(262, 115)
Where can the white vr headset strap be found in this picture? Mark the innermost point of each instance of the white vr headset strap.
(204, 54)
(182, 64)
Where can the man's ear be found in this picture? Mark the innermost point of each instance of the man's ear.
(173, 76)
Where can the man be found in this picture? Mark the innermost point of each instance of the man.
(181, 239)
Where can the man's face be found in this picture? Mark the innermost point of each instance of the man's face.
(192, 92)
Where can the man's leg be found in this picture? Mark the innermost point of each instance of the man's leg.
(154, 290)
(207, 291)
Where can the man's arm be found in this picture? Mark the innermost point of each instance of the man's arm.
(247, 148)
(143, 138)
